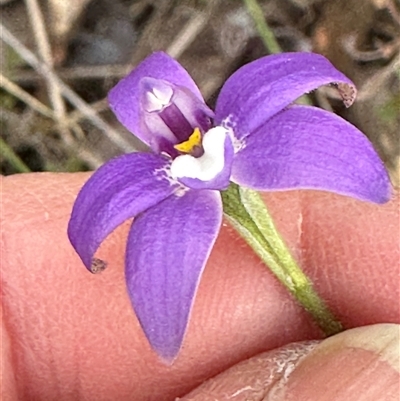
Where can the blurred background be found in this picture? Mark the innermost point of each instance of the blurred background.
(58, 60)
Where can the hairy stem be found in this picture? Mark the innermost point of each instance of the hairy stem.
(248, 214)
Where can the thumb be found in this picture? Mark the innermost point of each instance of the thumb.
(361, 364)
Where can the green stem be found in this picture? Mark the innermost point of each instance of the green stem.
(14, 159)
(248, 214)
(266, 35)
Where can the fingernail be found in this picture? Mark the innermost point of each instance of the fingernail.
(361, 364)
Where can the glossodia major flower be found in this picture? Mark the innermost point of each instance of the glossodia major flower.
(256, 138)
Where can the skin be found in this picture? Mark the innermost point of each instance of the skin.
(71, 335)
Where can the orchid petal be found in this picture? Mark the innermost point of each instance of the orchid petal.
(118, 190)
(125, 100)
(260, 89)
(175, 122)
(212, 170)
(168, 247)
(309, 148)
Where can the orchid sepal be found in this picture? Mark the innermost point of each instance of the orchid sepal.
(110, 197)
(263, 88)
(162, 276)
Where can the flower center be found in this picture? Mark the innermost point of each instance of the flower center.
(209, 164)
(192, 145)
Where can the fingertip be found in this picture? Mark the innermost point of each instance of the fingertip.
(361, 364)
(8, 387)
(357, 365)
(255, 378)
(351, 251)
(241, 310)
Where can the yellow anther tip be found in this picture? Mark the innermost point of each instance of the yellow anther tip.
(193, 141)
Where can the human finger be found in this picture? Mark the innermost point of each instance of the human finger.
(360, 364)
(67, 326)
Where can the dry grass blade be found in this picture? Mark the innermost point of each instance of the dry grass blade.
(187, 35)
(67, 92)
(80, 72)
(25, 97)
(86, 155)
(12, 157)
(44, 49)
(76, 115)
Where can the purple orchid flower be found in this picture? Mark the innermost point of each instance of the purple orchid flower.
(257, 138)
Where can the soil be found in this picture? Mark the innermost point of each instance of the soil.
(94, 43)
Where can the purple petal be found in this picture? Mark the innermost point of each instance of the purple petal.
(264, 87)
(125, 100)
(118, 190)
(168, 247)
(309, 148)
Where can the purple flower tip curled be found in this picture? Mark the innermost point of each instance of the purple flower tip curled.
(256, 138)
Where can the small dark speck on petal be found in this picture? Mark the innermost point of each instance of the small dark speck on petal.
(97, 265)
(347, 92)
